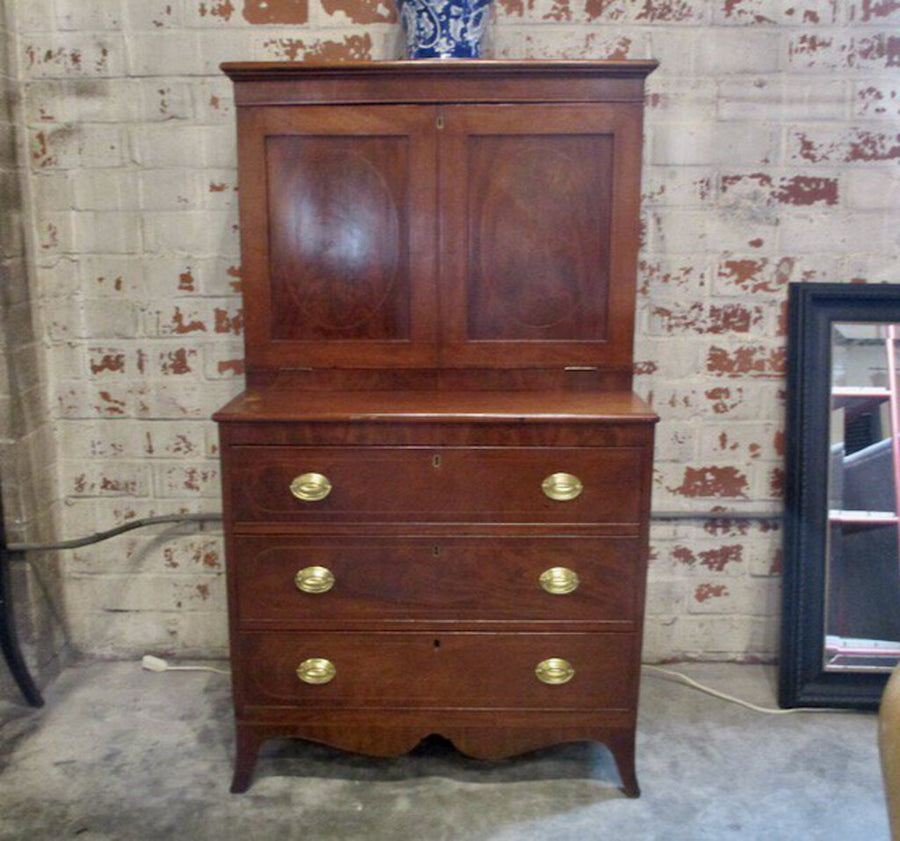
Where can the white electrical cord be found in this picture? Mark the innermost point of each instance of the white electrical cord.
(694, 684)
(157, 664)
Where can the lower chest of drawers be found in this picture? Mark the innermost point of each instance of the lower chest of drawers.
(480, 578)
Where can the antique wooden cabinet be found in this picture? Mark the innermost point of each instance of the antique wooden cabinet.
(437, 481)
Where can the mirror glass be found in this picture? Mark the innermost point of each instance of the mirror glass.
(862, 581)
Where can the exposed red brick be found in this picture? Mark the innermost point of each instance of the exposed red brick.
(669, 11)
(110, 405)
(859, 146)
(798, 190)
(222, 10)
(779, 442)
(759, 178)
(731, 318)
(784, 269)
(208, 559)
(733, 9)
(808, 44)
(229, 324)
(176, 362)
(712, 482)
(682, 276)
(186, 281)
(781, 325)
(756, 243)
(182, 445)
(722, 399)
(803, 190)
(561, 10)
(878, 49)
(645, 367)
(776, 482)
(352, 47)
(683, 555)
(756, 360)
(181, 326)
(706, 591)
(620, 50)
(124, 486)
(608, 9)
(718, 559)
(868, 146)
(40, 151)
(875, 9)
(512, 8)
(111, 362)
(724, 526)
(875, 101)
(777, 567)
(276, 11)
(746, 274)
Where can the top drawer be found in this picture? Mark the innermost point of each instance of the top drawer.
(436, 484)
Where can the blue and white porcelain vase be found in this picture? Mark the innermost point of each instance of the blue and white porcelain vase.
(443, 28)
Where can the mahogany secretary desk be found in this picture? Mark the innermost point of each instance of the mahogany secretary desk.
(437, 481)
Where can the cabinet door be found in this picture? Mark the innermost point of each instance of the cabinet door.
(337, 223)
(539, 234)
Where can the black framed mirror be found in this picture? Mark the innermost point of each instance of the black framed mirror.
(841, 609)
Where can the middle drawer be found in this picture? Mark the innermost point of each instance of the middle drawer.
(284, 580)
(427, 484)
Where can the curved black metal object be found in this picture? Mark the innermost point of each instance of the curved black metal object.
(9, 640)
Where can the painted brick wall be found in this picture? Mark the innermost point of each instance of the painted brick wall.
(27, 451)
(772, 150)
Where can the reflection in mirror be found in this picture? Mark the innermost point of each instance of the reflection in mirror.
(862, 614)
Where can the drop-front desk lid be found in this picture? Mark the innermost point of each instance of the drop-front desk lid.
(280, 405)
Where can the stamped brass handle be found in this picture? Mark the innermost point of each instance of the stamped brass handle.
(562, 486)
(314, 580)
(316, 670)
(311, 487)
(554, 671)
(559, 581)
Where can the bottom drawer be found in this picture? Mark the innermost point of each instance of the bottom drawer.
(442, 670)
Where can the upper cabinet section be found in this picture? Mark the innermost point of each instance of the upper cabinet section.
(338, 239)
(469, 215)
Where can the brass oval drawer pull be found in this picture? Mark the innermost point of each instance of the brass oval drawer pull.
(311, 487)
(559, 581)
(316, 671)
(562, 487)
(314, 580)
(554, 671)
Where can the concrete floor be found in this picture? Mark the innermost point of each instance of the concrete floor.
(121, 754)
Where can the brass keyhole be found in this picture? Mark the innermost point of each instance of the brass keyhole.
(436, 462)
